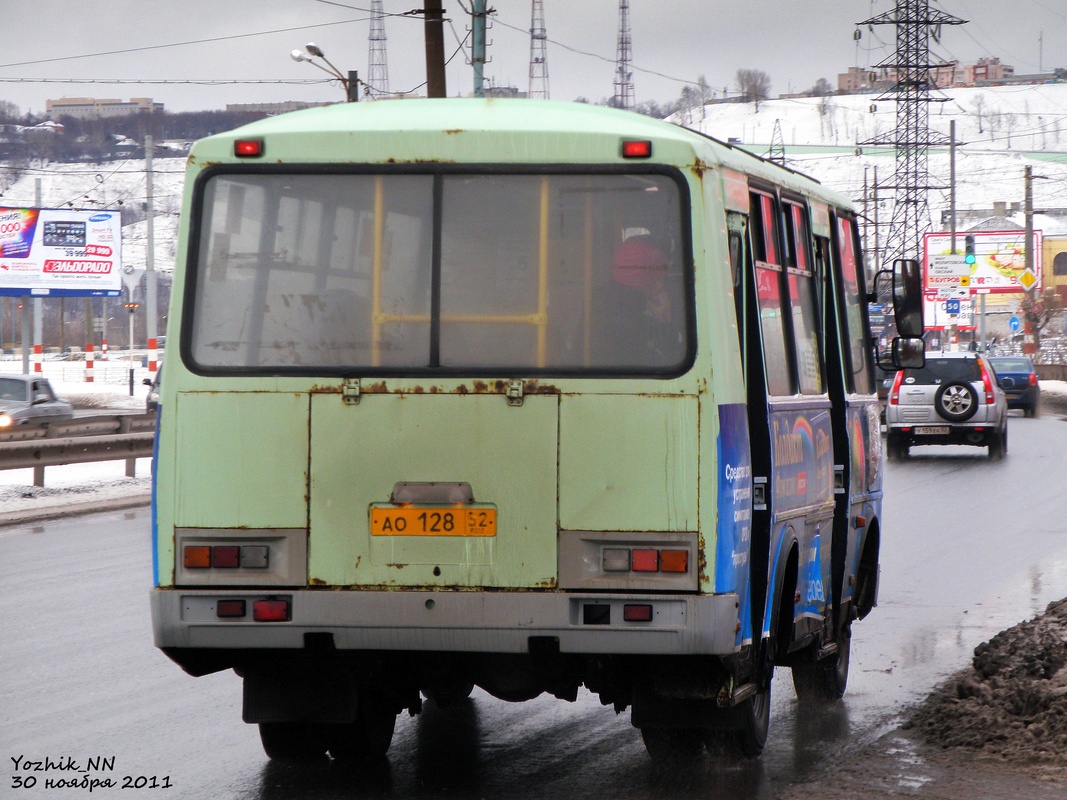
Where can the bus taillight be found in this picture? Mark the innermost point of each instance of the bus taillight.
(270, 610)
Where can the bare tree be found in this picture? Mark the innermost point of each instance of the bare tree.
(754, 85)
(1039, 310)
(822, 88)
(979, 110)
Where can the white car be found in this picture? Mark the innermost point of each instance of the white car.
(953, 399)
(29, 400)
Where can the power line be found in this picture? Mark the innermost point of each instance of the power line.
(181, 44)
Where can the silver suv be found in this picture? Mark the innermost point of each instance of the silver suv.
(954, 399)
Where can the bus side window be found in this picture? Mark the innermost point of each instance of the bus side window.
(768, 284)
(803, 300)
(848, 264)
(737, 225)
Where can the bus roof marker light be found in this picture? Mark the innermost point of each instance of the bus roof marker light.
(248, 148)
(637, 149)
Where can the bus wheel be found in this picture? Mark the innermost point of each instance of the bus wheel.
(824, 681)
(369, 736)
(293, 741)
(749, 739)
(672, 744)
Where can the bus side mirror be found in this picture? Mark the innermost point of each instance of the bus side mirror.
(904, 284)
(909, 352)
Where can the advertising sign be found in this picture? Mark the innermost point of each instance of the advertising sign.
(55, 252)
(999, 266)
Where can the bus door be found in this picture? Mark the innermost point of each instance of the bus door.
(789, 412)
(856, 412)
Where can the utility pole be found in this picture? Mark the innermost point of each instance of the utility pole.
(151, 322)
(433, 27)
(915, 24)
(379, 68)
(624, 82)
(478, 46)
(38, 302)
(538, 88)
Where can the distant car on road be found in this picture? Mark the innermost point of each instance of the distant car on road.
(1018, 378)
(30, 400)
(152, 400)
(954, 399)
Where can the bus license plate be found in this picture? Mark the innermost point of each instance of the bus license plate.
(932, 430)
(433, 521)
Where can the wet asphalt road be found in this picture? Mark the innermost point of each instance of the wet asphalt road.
(969, 547)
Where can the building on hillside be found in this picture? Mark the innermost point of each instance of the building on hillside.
(98, 108)
(946, 75)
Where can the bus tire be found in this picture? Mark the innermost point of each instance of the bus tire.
(824, 681)
(369, 736)
(750, 738)
(293, 741)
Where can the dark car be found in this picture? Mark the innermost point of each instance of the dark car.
(1018, 379)
(151, 402)
(29, 400)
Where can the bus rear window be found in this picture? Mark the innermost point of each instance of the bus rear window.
(311, 273)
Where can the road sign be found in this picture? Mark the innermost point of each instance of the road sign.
(952, 306)
(948, 266)
(1014, 324)
(1027, 278)
(953, 291)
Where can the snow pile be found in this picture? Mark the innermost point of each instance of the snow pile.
(1012, 704)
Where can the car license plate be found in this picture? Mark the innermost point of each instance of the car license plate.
(932, 430)
(433, 520)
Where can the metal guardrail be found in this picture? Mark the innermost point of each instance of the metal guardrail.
(104, 437)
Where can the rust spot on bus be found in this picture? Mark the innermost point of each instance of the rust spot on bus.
(481, 387)
(462, 389)
(536, 387)
(453, 130)
(316, 582)
(332, 388)
(375, 388)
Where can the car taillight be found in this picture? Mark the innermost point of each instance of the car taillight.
(894, 393)
(987, 384)
(1033, 379)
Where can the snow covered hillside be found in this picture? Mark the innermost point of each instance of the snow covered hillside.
(1002, 129)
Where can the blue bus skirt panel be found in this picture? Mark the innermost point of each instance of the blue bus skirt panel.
(734, 529)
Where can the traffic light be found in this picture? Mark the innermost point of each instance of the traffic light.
(968, 250)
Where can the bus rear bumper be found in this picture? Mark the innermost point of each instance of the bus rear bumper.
(487, 622)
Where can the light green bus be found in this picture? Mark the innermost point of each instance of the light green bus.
(521, 395)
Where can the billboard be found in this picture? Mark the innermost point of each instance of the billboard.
(1000, 260)
(56, 252)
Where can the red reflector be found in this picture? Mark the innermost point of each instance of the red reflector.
(674, 561)
(635, 613)
(270, 610)
(226, 556)
(230, 608)
(642, 149)
(248, 148)
(197, 557)
(644, 560)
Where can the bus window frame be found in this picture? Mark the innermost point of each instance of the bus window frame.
(438, 172)
(866, 348)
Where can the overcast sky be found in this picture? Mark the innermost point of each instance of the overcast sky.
(165, 42)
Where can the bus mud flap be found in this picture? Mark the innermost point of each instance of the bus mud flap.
(301, 690)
